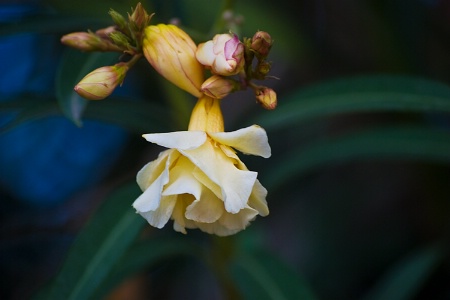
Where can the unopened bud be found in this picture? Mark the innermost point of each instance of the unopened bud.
(105, 32)
(171, 51)
(87, 41)
(218, 87)
(224, 54)
(119, 20)
(101, 82)
(261, 43)
(266, 97)
(120, 39)
(139, 18)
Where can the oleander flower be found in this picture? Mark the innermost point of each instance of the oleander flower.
(200, 182)
(224, 54)
(171, 52)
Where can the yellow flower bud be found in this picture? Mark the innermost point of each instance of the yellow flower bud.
(101, 82)
(266, 97)
(171, 51)
(224, 54)
(218, 87)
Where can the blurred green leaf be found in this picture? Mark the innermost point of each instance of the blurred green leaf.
(73, 67)
(391, 142)
(102, 241)
(143, 255)
(405, 279)
(359, 94)
(25, 109)
(261, 275)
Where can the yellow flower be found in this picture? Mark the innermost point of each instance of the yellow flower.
(200, 182)
(171, 52)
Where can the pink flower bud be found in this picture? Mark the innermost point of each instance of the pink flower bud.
(224, 54)
(88, 41)
(217, 87)
(261, 43)
(266, 97)
(101, 82)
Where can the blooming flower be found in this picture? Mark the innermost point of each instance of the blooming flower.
(200, 182)
(101, 82)
(171, 52)
(224, 54)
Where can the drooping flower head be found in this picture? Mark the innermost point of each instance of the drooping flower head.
(200, 182)
(171, 52)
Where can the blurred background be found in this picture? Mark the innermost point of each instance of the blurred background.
(347, 223)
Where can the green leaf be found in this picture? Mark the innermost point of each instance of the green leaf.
(24, 109)
(404, 280)
(358, 94)
(104, 239)
(404, 143)
(73, 67)
(144, 255)
(261, 275)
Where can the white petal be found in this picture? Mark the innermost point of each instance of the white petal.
(236, 185)
(161, 215)
(217, 229)
(206, 209)
(184, 140)
(205, 53)
(251, 140)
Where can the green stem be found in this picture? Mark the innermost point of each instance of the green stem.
(222, 251)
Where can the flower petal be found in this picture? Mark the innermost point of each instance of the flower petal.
(161, 215)
(184, 140)
(182, 180)
(236, 185)
(250, 140)
(149, 200)
(257, 199)
(240, 220)
(206, 209)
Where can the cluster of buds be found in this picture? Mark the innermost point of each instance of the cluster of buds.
(233, 63)
(124, 37)
(225, 55)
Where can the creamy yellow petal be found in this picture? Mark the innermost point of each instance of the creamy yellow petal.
(236, 185)
(152, 170)
(159, 217)
(180, 223)
(149, 200)
(240, 220)
(257, 199)
(251, 140)
(205, 209)
(182, 180)
(184, 140)
(217, 229)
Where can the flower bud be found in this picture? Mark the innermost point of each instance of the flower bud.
(88, 41)
(101, 82)
(261, 43)
(266, 97)
(218, 87)
(171, 51)
(139, 18)
(224, 54)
